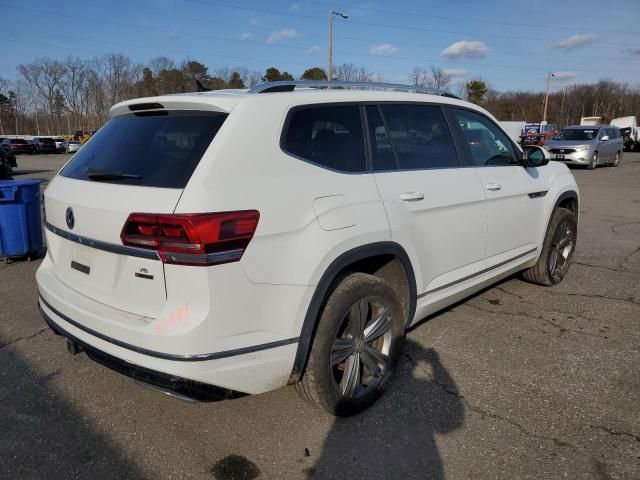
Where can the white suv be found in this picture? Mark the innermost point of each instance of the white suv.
(223, 243)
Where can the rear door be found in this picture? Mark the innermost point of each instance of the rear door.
(435, 208)
(135, 163)
(514, 193)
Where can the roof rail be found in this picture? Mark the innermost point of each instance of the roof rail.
(289, 86)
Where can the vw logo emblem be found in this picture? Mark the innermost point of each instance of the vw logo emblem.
(561, 151)
(71, 221)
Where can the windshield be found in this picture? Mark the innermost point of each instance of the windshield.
(160, 150)
(577, 134)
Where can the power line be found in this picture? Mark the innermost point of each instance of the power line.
(237, 40)
(294, 47)
(371, 24)
(494, 22)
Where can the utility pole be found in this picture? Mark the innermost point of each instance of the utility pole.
(330, 49)
(564, 94)
(330, 63)
(546, 97)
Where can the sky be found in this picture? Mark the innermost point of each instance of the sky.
(509, 44)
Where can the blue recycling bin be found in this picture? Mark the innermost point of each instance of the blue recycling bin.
(20, 225)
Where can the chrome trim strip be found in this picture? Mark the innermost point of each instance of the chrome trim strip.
(481, 272)
(152, 353)
(100, 245)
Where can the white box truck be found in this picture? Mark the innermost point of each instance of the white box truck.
(630, 132)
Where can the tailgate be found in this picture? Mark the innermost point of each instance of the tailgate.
(83, 224)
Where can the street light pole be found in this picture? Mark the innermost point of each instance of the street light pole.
(330, 49)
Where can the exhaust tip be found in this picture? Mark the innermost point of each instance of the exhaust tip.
(73, 348)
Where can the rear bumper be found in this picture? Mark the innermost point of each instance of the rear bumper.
(230, 374)
(174, 385)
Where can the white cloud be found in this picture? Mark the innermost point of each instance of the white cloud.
(253, 22)
(283, 34)
(455, 72)
(564, 75)
(575, 41)
(295, 7)
(315, 49)
(383, 49)
(464, 48)
(245, 35)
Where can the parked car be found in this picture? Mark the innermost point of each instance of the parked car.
(7, 162)
(585, 145)
(59, 146)
(71, 146)
(44, 145)
(191, 259)
(19, 145)
(8, 155)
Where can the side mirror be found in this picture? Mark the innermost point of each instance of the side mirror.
(604, 138)
(535, 156)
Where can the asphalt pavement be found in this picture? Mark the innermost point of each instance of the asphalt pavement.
(517, 382)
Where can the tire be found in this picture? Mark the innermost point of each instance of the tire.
(616, 162)
(341, 347)
(557, 250)
(594, 161)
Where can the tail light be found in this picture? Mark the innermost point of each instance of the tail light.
(192, 239)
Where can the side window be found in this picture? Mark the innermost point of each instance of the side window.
(487, 143)
(330, 136)
(612, 134)
(418, 135)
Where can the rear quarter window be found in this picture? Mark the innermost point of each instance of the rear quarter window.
(329, 136)
(160, 150)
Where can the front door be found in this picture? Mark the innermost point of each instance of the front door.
(514, 193)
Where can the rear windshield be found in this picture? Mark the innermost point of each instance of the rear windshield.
(577, 134)
(18, 140)
(146, 150)
(46, 140)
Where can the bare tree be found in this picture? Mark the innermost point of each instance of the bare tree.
(418, 76)
(73, 86)
(161, 63)
(45, 78)
(438, 78)
(346, 72)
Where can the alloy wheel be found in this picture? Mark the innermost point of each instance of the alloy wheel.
(360, 349)
(561, 250)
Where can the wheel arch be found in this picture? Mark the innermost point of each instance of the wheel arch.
(371, 258)
(568, 200)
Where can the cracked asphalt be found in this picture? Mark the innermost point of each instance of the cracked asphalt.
(517, 382)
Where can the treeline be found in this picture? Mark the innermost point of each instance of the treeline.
(606, 99)
(60, 96)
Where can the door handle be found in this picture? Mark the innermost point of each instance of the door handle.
(411, 196)
(493, 186)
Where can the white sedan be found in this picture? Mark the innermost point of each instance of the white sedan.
(71, 147)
